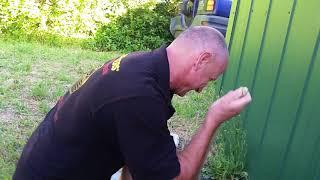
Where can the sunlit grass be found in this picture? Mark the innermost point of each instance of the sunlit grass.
(32, 78)
(40, 91)
(195, 105)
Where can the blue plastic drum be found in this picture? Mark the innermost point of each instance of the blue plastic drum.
(222, 7)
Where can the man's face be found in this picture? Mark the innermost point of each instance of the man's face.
(200, 74)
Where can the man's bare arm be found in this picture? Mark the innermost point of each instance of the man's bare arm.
(192, 157)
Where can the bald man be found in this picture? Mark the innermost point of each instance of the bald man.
(117, 115)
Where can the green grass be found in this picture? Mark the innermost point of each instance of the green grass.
(227, 160)
(46, 38)
(32, 78)
(44, 107)
(40, 91)
(194, 105)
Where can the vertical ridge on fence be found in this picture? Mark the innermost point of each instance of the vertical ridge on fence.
(243, 45)
(251, 88)
(274, 52)
(278, 73)
(299, 110)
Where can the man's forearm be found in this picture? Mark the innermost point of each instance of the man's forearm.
(229, 105)
(192, 157)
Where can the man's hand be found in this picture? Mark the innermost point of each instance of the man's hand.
(229, 105)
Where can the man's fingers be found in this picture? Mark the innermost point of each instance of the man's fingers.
(244, 91)
(242, 102)
(238, 93)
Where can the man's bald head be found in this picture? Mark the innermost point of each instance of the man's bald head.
(196, 56)
(202, 38)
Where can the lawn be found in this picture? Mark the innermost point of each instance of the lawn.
(34, 76)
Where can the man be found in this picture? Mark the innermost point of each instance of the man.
(117, 115)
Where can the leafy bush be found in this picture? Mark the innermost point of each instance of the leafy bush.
(66, 18)
(144, 27)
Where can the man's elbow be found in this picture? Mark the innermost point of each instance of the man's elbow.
(187, 172)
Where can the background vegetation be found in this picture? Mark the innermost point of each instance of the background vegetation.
(95, 24)
(46, 45)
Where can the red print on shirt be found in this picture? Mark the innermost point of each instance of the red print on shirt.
(105, 68)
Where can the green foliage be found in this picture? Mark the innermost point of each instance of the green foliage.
(129, 24)
(229, 153)
(57, 23)
(44, 107)
(141, 28)
(66, 18)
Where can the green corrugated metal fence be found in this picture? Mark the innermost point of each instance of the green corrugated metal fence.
(274, 51)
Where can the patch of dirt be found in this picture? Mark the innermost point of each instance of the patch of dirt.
(184, 128)
(7, 115)
(31, 104)
(40, 71)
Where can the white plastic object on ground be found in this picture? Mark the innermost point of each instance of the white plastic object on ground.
(175, 138)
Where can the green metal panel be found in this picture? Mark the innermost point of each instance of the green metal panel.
(232, 19)
(304, 144)
(229, 35)
(274, 50)
(236, 41)
(265, 76)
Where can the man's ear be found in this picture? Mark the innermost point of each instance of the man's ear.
(202, 60)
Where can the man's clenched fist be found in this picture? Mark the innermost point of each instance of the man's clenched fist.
(229, 105)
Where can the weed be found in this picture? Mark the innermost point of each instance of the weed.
(20, 106)
(229, 152)
(2, 91)
(22, 67)
(63, 77)
(44, 107)
(26, 124)
(9, 151)
(58, 92)
(2, 105)
(40, 90)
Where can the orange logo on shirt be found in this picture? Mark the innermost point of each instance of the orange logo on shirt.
(81, 81)
(116, 64)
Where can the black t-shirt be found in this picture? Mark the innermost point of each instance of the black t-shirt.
(115, 115)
